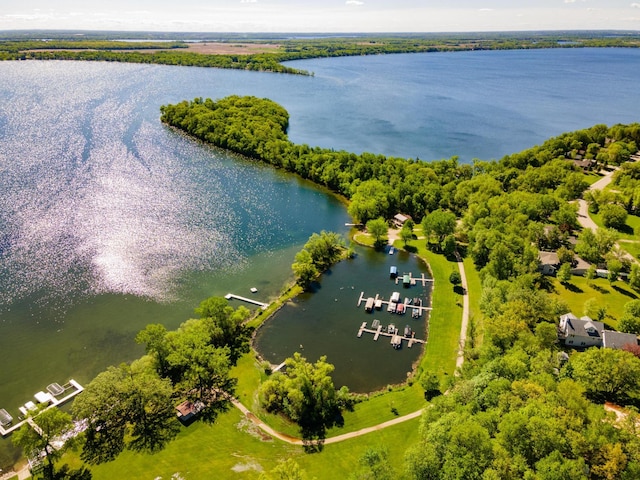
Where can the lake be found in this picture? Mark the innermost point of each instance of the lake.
(110, 221)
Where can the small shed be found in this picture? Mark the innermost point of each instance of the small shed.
(400, 219)
(406, 280)
(187, 411)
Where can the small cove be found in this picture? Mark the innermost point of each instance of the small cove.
(326, 320)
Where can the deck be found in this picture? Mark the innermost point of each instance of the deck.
(54, 402)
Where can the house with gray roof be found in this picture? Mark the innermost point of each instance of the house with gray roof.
(618, 340)
(584, 332)
(580, 332)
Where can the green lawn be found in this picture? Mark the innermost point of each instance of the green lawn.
(612, 296)
(632, 223)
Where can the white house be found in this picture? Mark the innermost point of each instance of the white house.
(580, 332)
(585, 332)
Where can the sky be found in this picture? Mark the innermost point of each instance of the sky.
(320, 15)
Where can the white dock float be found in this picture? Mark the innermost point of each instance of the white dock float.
(54, 402)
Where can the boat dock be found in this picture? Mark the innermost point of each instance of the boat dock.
(378, 301)
(53, 399)
(414, 280)
(393, 336)
(230, 296)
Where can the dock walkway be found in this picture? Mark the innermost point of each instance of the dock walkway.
(54, 402)
(230, 296)
(413, 280)
(376, 334)
(386, 302)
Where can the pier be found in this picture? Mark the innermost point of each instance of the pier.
(393, 336)
(53, 401)
(262, 305)
(378, 300)
(414, 280)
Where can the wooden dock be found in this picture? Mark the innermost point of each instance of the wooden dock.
(363, 328)
(54, 402)
(262, 305)
(386, 302)
(376, 334)
(414, 280)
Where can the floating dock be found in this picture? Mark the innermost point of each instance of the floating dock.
(378, 301)
(230, 296)
(396, 339)
(414, 280)
(49, 398)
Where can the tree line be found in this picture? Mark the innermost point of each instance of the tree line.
(22, 48)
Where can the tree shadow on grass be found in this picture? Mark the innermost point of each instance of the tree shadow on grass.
(599, 289)
(626, 229)
(624, 292)
(544, 282)
(572, 288)
(411, 248)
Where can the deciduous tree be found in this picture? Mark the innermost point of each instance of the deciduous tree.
(51, 423)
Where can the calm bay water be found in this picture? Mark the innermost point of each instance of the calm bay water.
(109, 221)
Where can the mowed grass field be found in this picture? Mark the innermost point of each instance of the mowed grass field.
(232, 447)
(611, 296)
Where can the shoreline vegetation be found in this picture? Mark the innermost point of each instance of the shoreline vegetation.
(266, 53)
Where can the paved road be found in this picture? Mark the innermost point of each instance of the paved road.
(583, 208)
(465, 313)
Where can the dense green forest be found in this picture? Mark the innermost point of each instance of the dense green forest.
(96, 47)
(504, 205)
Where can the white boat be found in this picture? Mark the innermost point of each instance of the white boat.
(392, 251)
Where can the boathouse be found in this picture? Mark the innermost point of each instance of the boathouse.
(368, 307)
(393, 271)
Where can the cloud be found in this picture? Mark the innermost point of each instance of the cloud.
(248, 1)
(354, 2)
(485, 9)
(635, 5)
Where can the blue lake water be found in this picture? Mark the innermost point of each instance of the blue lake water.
(110, 221)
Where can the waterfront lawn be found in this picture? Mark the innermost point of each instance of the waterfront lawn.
(611, 296)
(201, 450)
(231, 448)
(446, 317)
